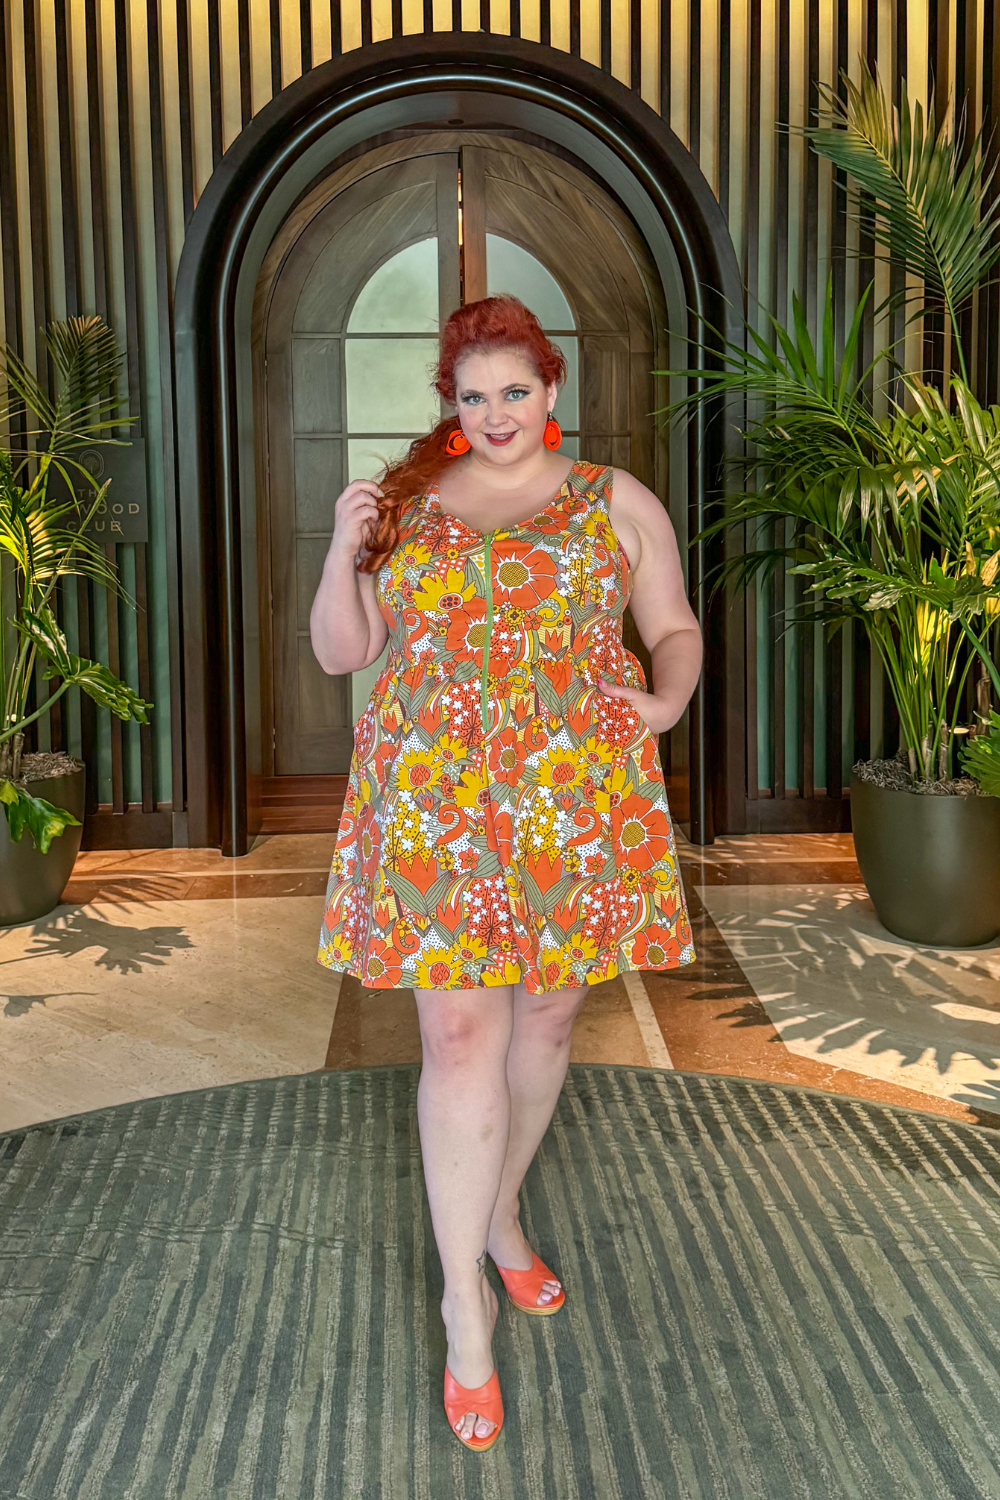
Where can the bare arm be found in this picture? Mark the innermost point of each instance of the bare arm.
(345, 625)
(663, 616)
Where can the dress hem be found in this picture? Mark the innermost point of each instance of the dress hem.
(591, 979)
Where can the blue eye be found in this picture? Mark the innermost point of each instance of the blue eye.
(472, 399)
(518, 394)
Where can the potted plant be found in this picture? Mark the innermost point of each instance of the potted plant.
(42, 539)
(891, 510)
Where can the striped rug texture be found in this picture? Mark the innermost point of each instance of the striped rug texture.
(771, 1292)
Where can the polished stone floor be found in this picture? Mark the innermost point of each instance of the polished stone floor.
(167, 970)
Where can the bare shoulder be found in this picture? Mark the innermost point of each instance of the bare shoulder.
(639, 518)
(634, 499)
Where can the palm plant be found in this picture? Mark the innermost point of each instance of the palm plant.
(43, 539)
(895, 519)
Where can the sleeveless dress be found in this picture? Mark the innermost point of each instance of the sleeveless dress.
(504, 821)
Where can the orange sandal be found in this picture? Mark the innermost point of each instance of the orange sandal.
(527, 1284)
(484, 1400)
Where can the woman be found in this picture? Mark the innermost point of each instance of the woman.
(505, 839)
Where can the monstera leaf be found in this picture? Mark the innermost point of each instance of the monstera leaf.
(43, 821)
(103, 686)
(982, 757)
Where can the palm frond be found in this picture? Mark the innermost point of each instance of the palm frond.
(926, 206)
(87, 363)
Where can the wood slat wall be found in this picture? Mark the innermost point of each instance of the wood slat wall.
(114, 113)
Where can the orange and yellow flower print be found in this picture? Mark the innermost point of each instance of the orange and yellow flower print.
(504, 822)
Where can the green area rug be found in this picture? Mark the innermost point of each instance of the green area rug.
(770, 1292)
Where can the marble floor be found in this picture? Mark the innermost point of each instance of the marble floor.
(838, 987)
(168, 970)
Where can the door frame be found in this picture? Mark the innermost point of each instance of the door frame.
(477, 80)
(311, 801)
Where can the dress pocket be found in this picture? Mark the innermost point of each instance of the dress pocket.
(632, 672)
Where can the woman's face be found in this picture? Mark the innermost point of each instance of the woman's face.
(503, 404)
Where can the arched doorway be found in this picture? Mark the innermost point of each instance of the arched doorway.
(348, 307)
(326, 119)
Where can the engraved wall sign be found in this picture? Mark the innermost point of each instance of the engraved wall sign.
(123, 514)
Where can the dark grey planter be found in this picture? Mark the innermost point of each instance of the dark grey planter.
(31, 884)
(931, 864)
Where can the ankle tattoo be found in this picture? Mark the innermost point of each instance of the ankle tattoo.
(481, 1263)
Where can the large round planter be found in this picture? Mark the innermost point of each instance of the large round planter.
(931, 864)
(31, 884)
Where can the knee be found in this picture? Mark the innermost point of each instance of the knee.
(455, 1039)
(552, 1016)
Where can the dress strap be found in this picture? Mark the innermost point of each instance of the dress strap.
(593, 480)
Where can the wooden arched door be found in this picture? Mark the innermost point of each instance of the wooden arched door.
(349, 305)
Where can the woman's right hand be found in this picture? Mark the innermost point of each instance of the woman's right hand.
(354, 515)
(346, 627)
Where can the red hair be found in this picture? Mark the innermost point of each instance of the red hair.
(493, 323)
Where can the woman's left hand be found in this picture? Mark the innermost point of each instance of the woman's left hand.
(656, 713)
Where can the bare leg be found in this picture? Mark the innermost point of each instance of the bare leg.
(536, 1068)
(463, 1108)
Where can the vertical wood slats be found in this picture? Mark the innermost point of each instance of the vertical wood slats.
(808, 286)
(41, 287)
(305, 34)
(751, 249)
(114, 662)
(720, 111)
(246, 89)
(782, 690)
(724, 122)
(665, 21)
(862, 689)
(185, 127)
(48, 734)
(988, 363)
(72, 289)
(10, 256)
(67, 182)
(937, 85)
(215, 79)
(694, 77)
(127, 622)
(87, 596)
(275, 39)
(165, 339)
(834, 647)
(897, 275)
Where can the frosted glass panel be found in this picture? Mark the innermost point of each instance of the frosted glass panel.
(570, 447)
(362, 683)
(511, 269)
(389, 385)
(365, 456)
(402, 295)
(567, 407)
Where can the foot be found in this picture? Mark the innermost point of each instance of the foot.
(469, 1325)
(508, 1247)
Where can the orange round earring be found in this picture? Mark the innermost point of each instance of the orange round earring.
(457, 443)
(552, 436)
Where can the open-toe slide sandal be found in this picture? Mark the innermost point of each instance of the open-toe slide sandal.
(484, 1400)
(523, 1288)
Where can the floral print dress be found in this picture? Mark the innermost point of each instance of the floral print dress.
(504, 821)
